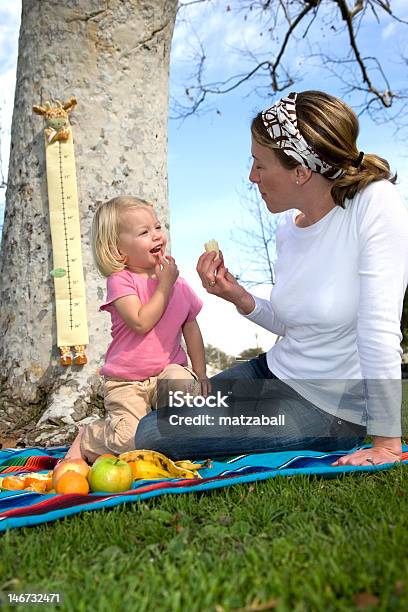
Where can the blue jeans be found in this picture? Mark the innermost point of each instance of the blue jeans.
(254, 391)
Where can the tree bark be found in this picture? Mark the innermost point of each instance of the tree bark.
(113, 56)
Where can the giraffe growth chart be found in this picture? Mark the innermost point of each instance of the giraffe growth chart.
(69, 285)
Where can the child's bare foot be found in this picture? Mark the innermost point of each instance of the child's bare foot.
(75, 451)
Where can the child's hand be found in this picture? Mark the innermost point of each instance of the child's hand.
(166, 271)
(205, 386)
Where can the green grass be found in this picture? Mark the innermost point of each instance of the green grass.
(307, 543)
(301, 544)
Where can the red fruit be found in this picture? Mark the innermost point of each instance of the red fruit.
(77, 465)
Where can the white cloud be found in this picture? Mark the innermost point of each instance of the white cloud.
(220, 31)
(389, 30)
(244, 36)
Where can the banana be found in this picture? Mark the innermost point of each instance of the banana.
(144, 455)
(148, 471)
(189, 465)
(161, 463)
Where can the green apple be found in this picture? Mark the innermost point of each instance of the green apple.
(110, 475)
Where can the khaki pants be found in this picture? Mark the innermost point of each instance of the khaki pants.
(126, 402)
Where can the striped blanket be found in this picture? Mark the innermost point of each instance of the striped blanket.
(22, 508)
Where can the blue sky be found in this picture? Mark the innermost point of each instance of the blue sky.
(209, 154)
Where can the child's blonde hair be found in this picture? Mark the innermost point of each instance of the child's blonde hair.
(105, 232)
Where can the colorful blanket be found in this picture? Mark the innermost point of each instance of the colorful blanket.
(22, 508)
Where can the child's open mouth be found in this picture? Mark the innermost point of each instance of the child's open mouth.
(156, 249)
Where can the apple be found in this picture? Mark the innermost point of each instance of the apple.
(110, 475)
(78, 465)
(104, 457)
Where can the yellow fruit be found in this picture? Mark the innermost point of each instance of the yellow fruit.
(161, 463)
(189, 465)
(145, 470)
(145, 455)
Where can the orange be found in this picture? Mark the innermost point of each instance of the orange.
(39, 479)
(13, 483)
(72, 482)
(36, 485)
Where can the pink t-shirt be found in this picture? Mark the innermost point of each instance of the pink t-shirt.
(133, 356)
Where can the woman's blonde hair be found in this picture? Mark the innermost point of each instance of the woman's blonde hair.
(331, 128)
(105, 232)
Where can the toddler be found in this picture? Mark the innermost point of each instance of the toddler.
(151, 308)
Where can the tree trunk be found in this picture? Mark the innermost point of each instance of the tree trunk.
(113, 56)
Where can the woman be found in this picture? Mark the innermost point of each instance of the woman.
(341, 274)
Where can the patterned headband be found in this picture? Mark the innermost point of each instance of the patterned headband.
(280, 121)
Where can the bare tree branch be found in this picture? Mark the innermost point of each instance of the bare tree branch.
(273, 15)
(184, 5)
(201, 90)
(256, 242)
(313, 5)
(285, 12)
(347, 15)
(385, 5)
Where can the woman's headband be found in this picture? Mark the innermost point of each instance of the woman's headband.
(280, 120)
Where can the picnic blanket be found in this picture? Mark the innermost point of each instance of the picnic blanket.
(22, 508)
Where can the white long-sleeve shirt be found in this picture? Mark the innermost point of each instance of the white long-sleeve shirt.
(337, 302)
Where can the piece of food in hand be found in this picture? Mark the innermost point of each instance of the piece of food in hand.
(212, 245)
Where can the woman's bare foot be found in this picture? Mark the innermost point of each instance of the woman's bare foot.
(75, 450)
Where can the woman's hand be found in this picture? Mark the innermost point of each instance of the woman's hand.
(369, 456)
(217, 280)
(166, 271)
